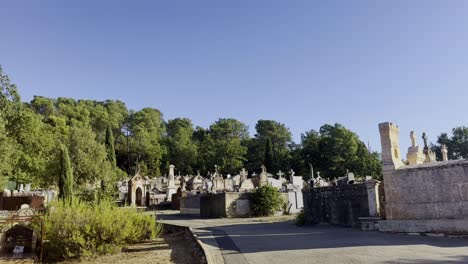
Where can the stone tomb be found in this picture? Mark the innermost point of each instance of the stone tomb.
(137, 191)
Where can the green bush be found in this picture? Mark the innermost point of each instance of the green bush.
(83, 229)
(300, 218)
(266, 201)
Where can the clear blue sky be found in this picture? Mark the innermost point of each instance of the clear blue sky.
(301, 63)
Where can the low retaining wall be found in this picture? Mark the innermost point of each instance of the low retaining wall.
(196, 248)
(338, 205)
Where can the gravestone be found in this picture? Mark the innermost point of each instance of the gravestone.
(275, 183)
(246, 185)
(228, 184)
(242, 207)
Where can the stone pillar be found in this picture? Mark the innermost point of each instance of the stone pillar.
(373, 197)
(389, 137)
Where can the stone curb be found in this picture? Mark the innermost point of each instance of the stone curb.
(212, 255)
(207, 254)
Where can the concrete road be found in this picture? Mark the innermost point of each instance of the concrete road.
(258, 241)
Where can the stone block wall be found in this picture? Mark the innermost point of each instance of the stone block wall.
(430, 191)
(190, 204)
(229, 204)
(337, 205)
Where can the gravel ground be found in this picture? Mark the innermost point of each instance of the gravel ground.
(164, 250)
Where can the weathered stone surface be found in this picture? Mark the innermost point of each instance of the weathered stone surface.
(450, 226)
(339, 205)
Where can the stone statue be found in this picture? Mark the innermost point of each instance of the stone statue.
(413, 139)
(444, 151)
(424, 137)
(292, 172)
(263, 168)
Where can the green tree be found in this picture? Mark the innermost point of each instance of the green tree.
(334, 150)
(280, 137)
(146, 130)
(457, 144)
(181, 146)
(224, 143)
(268, 161)
(88, 157)
(66, 175)
(110, 147)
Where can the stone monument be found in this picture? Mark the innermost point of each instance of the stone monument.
(415, 155)
(263, 177)
(428, 153)
(444, 152)
(171, 188)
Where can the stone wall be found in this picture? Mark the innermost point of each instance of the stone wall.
(431, 191)
(427, 198)
(13, 203)
(229, 204)
(338, 205)
(190, 205)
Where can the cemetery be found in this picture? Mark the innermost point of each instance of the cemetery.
(422, 196)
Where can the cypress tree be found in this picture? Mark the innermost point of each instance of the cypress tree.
(110, 147)
(268, 161)
(66, 175)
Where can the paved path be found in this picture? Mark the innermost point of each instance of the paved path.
(266, 240)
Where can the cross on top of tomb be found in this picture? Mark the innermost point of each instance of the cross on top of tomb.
(243, 172)
(280, 174)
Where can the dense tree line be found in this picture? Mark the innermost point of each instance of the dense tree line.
(105, 141)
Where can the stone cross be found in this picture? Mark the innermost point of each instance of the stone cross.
(263, 168)
(243, 174)
(413, 139)
(444, 152)
(424, 137)
(254, 174)
(292, 172)
(280, 174)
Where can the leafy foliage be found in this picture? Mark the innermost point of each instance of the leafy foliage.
(266, 201)
(66, 175)
(104, 138)
(457, 144)
(83, 229)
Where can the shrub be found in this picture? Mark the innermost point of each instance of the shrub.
(300, 218)
(83, 229)
(266, 201)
